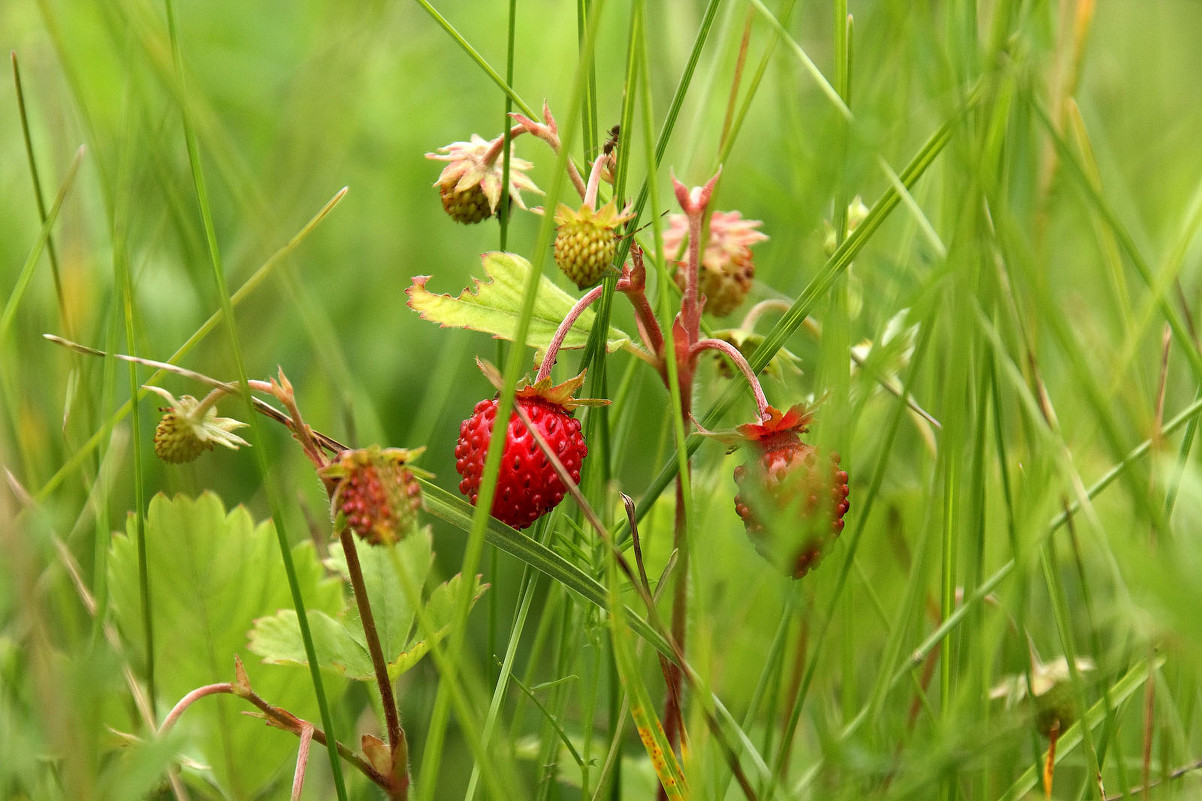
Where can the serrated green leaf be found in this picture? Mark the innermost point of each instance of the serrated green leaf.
(211, 575)
(391, 609)
(341, 642)
(440, 611)
(277, 639)
(495, 305)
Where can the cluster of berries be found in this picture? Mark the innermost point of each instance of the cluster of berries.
(786, 487)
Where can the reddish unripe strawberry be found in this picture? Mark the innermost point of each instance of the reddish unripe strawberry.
(789, 489)
(527, 486)
(376, 493)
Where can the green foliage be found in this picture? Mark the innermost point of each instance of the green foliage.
(214, 573)
(495, 305)
(394, 577)
(1021, 450)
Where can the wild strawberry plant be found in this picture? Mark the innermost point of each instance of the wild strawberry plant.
(939, 565)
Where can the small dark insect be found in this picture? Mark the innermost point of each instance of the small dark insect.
(612, 142)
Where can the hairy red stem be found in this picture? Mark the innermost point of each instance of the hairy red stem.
(544, 369)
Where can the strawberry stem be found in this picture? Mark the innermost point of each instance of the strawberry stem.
(280, 718)
(544, 369)
(302, 761)
(594, 181)
(633, 284)
(397, 786)
(549, 133)
(740, 361)
(391, 716)
(496, 146)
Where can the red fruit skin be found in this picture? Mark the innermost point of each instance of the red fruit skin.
(380, 508)
(788, 478)
(527, 486)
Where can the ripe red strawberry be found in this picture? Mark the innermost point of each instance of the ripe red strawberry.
(787, 481)
(377, 493)
(528, 486)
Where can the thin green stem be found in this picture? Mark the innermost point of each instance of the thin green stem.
(120, 227)
(372, 637)
(38, 197)
(202, 199)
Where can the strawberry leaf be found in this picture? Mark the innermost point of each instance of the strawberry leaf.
(393, 576)
(211, 574)
(495, 306)
(440, 611)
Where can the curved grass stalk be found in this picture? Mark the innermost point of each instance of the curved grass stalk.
(35, 253)
(651, 732)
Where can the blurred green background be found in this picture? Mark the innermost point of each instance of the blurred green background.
(293, 102)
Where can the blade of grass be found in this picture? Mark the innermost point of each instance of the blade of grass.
(823, 84)
(256, 432)
(525, 598)
(1093, 193)
(119, 221)
(38, 196)
(480, 61)
(23, 278)
(513, 368)
(650, 730)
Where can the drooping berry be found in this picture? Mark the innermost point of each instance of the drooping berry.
(470, 184)
(467, 206)
(190, 427)
(174, 440)
(376, 492)
(527, 486)
(586, 241)
(792, 498)
(726, 270)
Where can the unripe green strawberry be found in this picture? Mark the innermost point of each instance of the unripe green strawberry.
(1056, 709)
(190, 427)
(586, 241)
(467, 206)
(726, 270)
(791, 497)
(376, 493)
(174, 440)
(527, 486)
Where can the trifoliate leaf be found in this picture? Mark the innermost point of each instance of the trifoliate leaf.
(495, 306)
